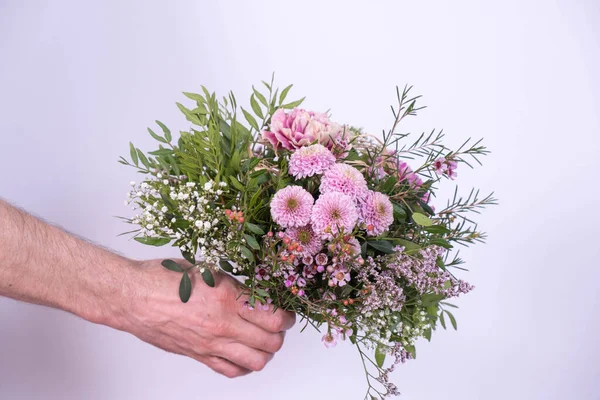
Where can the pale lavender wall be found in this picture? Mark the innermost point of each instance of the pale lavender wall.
(80, 79)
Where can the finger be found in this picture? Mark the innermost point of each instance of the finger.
(244, 356)
(277, 321)
(255, 337)
(224, 367)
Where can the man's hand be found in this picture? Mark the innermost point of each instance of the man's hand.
(42, 264)
(213, 327)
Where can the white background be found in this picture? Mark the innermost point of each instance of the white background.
(79, 80)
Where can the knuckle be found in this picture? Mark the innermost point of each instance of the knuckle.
(258, 364)
(220, 328)
(276, 343)
(276, 323)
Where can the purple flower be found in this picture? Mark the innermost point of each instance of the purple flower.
(376, 213)
(343, 178)
(311, 242)
(452, 165)
(333, 213)
(310, 160)
(329, 340)
(261, 273)
(291, 207)
(307, 259)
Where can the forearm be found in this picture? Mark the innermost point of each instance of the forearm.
(42, 264)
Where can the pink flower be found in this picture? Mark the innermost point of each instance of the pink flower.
(261, 274)
(291, 207)
(440, 166)
(311, 242)
(354, 246)
(301, 128)
(307, 260)
(265, 307)
(329, 340)
(343, 178)
(452, 165)
(376, 213)
(310, 160)
(333, 213)
(321, 259)
(340, 276)
(290, 279)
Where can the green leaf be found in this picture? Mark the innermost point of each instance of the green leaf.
(189, 115)
(427, 208)
(441, 242)
(156, 137)
(409, 247)
(237, 184)
(255, 229)
(256, 107)
(260, 97)
(208, 277)
(389, 184)
(252, 242)
(452, 320)
(171, 265)
(422, 219)
(250, 119)
(442, 320)
(383, 246)
(194, 96)
(226, 266)
(152, 241)
(185, 287)
(247, 253)
(399, 212)
(261, 292)
(143, 159)
(293, 104)
(165, 130)
(441, 229)
(439, 261)
(189, 257)
(133, 154)
(284, 93)
(427, 334)
(379, 355)
(449, 304)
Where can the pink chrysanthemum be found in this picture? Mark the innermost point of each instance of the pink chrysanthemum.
(310, 160)
(343, 178)
(291, 207)
(376, 213)
(333, 213)
(311, 242)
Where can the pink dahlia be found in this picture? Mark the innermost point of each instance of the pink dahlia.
(343, 178)
(376, 213)
(301, 128)
(309, 241)
(310, 160)
(291, 207)
(333, 213)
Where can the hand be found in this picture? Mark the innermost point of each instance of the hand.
(213, 327)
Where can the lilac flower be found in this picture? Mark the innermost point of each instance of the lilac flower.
(261, 273)
(333, 213)
(310, 241)
(291, 207)
(307, 260)
(329, 340)
(452, 165)
(290, 279)
(376, 213)
(301, 282)
(310, 160)
(343, 178)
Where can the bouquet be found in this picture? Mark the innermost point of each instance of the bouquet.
(315, 217)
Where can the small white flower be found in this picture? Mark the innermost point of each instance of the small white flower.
(126, 202)
(190, 184)
(192, 208)
(173, 195)
(219, 192)
(159, 175)
(222, 184)
(178, 235)
(198, 224)
(166, 181)
(208, 185)
(173, 220)
(132, 183)
(164, 209)
(207, 225)
(144, 185)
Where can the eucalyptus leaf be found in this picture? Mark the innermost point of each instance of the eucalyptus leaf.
(427, 334)
(133, 154)
(171, 265)
(250, 119)
(156, 137)
(452, 320)
(251, 241)
(255, 229)
(152, 241)
(284, 93)
(208, 277)
(247, 253)
(226, 266)
(442, 320)
(422, 219)
(293, 104)
(383, 246)
(256, 107)
(185, 288)
(165, 130)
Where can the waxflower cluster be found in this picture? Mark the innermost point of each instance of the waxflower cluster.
(314, 216)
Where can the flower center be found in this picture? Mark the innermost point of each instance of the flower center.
(292, 204)
(339, 276)
(304, 237)
(335, 214)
